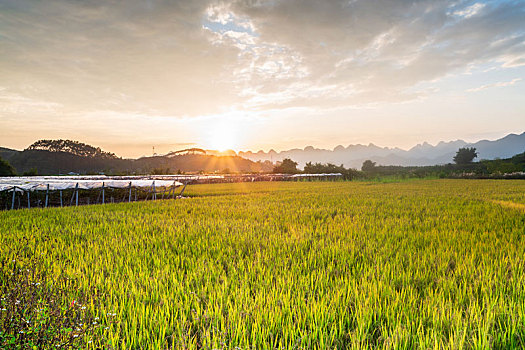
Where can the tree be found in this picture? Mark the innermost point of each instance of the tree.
(368, 166)
(465, 155)
(287, 166)
(327, 168)
(73, 147)
(31, 172)
(6, 169)
(161, 171)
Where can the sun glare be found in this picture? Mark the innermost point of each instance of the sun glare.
(222, 138)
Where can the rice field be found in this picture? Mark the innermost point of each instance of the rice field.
(425, 264)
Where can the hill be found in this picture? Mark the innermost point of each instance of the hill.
(54, 163)
(86, 159)
(7, 153)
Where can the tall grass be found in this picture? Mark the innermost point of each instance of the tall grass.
(425, 264)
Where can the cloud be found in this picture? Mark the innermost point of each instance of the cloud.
(13, 103)
(470, 11)
(188, 58)
(138, 56)
(378, 50)
(495, 85)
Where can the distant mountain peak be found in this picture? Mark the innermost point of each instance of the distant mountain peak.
(421, 154)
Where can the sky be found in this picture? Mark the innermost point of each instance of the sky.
(259, 74)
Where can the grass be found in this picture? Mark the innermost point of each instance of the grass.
(422, 264)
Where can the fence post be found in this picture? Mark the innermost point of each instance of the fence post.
(154, 191)
(129, 199)
(76, 195)
(73, 195)
(47, 194)
(61, 205)
(13, 199)
(148, 192)
(182, 192)
(103, 193)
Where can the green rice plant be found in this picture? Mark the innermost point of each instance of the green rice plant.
(312, 265)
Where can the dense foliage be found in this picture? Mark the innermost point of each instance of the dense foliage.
(6, 169)
(287, 166)
(465, 155)
(368, 166)
(513, 167)
(505, 166)
(499, 168)
(318, 168)
(72, 147)
(419, 264)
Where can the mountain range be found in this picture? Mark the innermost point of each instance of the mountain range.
(423, 154)
(352, 156)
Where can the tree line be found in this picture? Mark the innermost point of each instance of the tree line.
(463, 164)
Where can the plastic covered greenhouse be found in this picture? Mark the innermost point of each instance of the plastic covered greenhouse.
(44, 191)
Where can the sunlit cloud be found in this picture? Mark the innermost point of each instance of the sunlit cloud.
(495, 85)
(17, 103)
(470, 11)
(185, 60)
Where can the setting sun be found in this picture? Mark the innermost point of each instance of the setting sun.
(222, 137)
